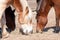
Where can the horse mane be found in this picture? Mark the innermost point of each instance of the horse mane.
(39, 3)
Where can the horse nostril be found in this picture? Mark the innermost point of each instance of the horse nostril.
(26, 33)
(21, 31)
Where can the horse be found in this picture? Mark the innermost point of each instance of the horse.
(43, 7)
(25, 15)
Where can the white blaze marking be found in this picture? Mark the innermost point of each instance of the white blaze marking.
(26, 27)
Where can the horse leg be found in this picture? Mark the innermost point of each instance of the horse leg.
(57, 10)
(42, 18)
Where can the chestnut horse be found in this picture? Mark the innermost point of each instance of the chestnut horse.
(42, 12)
(24, 15)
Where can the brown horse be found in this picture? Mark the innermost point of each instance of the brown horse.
(42, 12)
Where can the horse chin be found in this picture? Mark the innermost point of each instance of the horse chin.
(26, 29)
